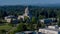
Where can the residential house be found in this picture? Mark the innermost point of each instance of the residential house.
(49, 20)
(10, 18)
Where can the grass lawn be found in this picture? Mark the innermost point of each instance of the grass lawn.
(5, 27)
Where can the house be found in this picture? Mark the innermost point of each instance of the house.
(25, 14)
(49, 20)
(50, 30)
(10, 18)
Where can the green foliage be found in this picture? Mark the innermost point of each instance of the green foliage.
(42, 25)
(31, 27)
(2, 21)
(19, 10)
(20, 27)
(5, 27)
(33, 20)
(2, 31)
(41, 17)
(25, 27)
(59, 22)
(39, 25)
(26, 18)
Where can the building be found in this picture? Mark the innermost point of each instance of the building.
(50, 30)
(10, 18)
(49, 20)
(25, 14)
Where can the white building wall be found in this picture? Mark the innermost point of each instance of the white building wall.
(52, 32)
(8, 20)
(42, 20)
(51, 27)
(59, 28)
(5, 18)
(48, 31)
(19, 17)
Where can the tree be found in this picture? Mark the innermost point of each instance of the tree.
(2, 31)
(41, 17)
(26, 19)
(33, 20)
(5, 14)
(20, 27)
(1, 14)
(52, 14)
(59, 22)
(44, 13)
(30, 27)
(42, 25)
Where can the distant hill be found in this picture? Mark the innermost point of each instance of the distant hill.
(34, 6)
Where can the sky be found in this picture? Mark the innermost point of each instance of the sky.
(28, 2)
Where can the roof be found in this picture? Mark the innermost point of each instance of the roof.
(28, 31)
(11, 16)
